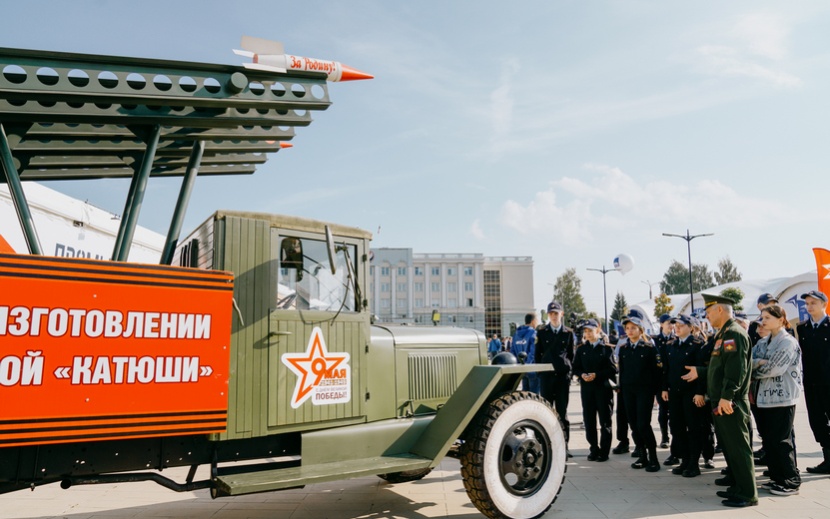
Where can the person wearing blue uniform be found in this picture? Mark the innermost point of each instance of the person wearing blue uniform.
(596, 370)
(494, 346)
(523, 347)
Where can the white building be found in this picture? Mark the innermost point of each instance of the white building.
(466, 290)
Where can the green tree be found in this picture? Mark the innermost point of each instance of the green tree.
(735, 294)
(620, 307)
(568, 291)
(662, 305)
(727, 272)
(676, 278)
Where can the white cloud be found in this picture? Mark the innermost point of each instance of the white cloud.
(756, 47)
(574, 210)
(476, 230)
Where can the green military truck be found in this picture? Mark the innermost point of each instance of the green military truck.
(251, 349)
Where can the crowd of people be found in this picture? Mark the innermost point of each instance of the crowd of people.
(708, 377)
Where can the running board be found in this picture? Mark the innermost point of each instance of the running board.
(280, 479)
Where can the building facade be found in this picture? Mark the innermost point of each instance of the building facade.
(465, 290)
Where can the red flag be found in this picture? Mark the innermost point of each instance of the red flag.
(823, 270)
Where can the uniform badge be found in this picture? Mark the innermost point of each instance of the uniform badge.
(718, 344)
(729, 345)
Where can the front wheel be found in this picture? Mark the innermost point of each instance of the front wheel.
(513, 459)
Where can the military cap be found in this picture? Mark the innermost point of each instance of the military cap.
(742, 316)
(711, 299)
(632, 319)
(816, 294)
(554, 306)
(591, 323)
(663, 318)
(636, 313)
(685, 319)
(767, 298)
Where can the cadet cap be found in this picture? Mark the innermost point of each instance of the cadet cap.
(767, 298)
(591, 323)
(685, 319)
(632, 319)
(711, 299)
(816, 294)
(554, 306)
(636, 313)
(664, 318)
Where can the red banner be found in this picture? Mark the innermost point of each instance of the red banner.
(823, 270)
(103, 350)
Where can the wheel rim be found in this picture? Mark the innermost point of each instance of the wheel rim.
(525, 458)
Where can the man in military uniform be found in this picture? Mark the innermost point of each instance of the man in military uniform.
(814, 339)
(555, 344)
(727, 378)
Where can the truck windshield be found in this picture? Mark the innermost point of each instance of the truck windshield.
(305, 280)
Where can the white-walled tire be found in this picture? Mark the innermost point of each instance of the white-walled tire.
(513, 458)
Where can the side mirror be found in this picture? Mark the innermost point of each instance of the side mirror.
(331, 250)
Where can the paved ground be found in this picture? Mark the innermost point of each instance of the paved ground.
(591, 490)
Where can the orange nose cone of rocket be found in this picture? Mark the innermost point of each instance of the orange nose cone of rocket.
(352, 74)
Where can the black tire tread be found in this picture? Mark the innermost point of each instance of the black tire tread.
(472, 453)
(405, 476)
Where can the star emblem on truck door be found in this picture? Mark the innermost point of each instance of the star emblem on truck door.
(313, 366)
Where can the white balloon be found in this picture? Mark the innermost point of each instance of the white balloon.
(624, 263)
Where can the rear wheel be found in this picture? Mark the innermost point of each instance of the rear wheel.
(513, 458)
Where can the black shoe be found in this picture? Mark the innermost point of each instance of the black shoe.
(737, 502)
(718, 449)
(671, 460)
(725, 482)
(821, 468)
(653, 465)
(636, 453)
(621, 448)
(678, 470)
(664, 443)
(592, 457)
(640, 463)
(602, 458)
(725, 494)
(691, 472)
(707, 464)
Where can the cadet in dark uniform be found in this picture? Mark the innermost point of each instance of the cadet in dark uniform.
(814, 340)
(727, 384)
(623, 445)
(662, 341)
(555, 345)
(596, 370)
(686, 418)
(708, 428)
(641, 372)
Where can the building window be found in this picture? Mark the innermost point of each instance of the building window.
(419, 303)
(469, 302)
(468, 271)
(450, 318)
(468, 286)
(384, 287)
(401, 271)
(436, 271)
(450, 271)
(436, 287)
(419, 271)
(452, 287)
(384, 271)
(385, 303)
(372, 270)
(401, 287)
(436, 304)
(418, 287)
(401, 304)
(452, 302)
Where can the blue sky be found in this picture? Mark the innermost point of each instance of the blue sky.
(569, 131)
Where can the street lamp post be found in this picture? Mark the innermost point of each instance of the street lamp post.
(650, 284)
(604, 271)
(689, 239)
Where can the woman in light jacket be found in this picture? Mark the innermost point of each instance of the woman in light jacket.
(776, 364)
